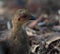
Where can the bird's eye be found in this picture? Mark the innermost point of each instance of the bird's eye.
(19, 19)
(24, 16)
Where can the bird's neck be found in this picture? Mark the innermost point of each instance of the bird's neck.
(18, 26)
(16, 29)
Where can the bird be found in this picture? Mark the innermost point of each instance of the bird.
(17, 39)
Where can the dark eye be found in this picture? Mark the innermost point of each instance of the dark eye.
(24, 16)
(19, 19)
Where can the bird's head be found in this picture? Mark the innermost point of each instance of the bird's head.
(20, 17)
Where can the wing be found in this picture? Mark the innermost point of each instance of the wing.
(19, 43)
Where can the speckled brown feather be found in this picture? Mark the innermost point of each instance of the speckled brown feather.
(18, 39)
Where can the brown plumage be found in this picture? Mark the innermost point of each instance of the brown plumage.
(17, 38)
